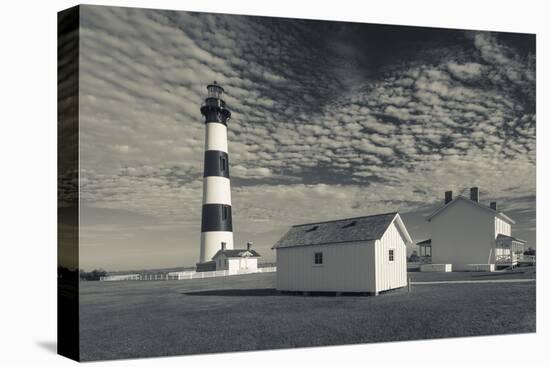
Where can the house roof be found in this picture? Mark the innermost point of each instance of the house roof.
(504, 238)
(365, 228)
(425, 243)
(476, 204)
(237, 253)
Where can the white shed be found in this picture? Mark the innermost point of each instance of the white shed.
(363, 254)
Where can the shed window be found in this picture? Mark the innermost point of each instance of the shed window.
(390, 255)
(318, 258)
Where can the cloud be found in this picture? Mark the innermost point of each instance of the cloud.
(244, 172)
(313, 127)
(467, 71)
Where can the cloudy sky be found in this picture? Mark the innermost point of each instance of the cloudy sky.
(330, 120)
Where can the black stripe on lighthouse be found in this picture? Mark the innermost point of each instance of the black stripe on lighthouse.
(216, 163)
(216, 217)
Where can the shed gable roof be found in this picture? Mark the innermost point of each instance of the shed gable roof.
(237, 253)
(474, 205)
(365, 228)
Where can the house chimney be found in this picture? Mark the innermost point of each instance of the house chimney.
(474, 194)
(223, 246)
(448, 197)
(493, 205)
(248, 246)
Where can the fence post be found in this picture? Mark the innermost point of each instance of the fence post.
(409, 284)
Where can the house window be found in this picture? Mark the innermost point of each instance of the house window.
(318, 258)
(390, 255)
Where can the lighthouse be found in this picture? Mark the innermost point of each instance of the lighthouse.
(216, 224)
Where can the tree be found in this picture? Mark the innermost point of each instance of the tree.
(95, 274)
(530, 251)
(66, 273)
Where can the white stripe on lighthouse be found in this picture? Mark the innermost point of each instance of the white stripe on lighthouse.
(216, 136)
(211, 243)
(216, 190)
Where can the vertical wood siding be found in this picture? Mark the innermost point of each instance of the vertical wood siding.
(462, 234)
(391, 274)
(347, 267)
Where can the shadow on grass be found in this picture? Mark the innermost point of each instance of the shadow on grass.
(50, 346)
(266, 292)
(527, 272)
(263, 292)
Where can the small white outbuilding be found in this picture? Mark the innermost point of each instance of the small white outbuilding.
(236, 261)
(363, 254)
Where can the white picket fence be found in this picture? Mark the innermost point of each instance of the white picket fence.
(267, 269)
(183, 275)
(159, 276)
(220, 273)
(112, 278)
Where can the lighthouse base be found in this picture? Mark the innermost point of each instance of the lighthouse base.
(211, 243)
(206, 266)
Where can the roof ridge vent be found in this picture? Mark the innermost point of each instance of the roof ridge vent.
(350, 224)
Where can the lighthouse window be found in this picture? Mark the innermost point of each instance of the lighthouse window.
(222, 163)
(224, 212)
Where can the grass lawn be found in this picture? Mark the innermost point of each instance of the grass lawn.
(147, 319)
(518, 273)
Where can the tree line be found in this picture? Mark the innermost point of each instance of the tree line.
(68, 274)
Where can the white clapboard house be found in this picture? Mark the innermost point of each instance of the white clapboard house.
(472, 236)
(236, 260)
(363, 254)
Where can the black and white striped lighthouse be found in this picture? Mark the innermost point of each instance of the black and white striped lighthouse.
(216, 226)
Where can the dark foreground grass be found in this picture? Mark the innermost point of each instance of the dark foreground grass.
(148, 319)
